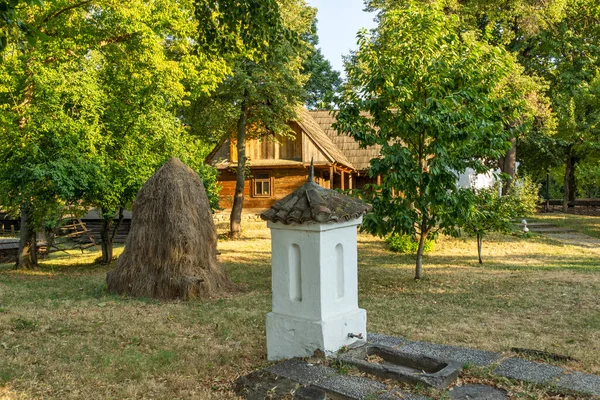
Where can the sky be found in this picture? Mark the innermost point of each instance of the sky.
(339, 21)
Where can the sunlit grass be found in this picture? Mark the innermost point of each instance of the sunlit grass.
(63, 336)
(589, 225)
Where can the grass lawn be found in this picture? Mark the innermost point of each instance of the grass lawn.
(589, 225)
(63, 336)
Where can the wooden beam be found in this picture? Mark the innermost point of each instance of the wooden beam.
(350, 183)
(379, 180)
(331, 175)
(343, 179)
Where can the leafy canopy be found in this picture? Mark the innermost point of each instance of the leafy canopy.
(436, 100)
(90, 111)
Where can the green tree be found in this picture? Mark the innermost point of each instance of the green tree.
(112, 77)
(556, 40)
(566, 53)
(146, 81)
(50, 106)
(436, 99)
(266, 84)
(492, 212)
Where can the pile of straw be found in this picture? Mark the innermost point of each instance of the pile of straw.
(171, 250)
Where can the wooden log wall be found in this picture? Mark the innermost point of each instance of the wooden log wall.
(270, 148)
(283, 182)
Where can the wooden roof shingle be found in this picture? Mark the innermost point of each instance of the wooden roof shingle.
(311, 203)
(358, 157)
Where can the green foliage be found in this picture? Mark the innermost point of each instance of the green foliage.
(557, 42)
(523, 197)
(12, 25)
(248, 27)
(588, 179)
(407, 244)
(266, 77)
(436, 100)
(566, 53)
(91, 111)
(491, 212)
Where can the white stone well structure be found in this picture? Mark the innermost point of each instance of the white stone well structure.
(314, 272)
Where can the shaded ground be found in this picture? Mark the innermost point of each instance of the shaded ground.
(63, 336)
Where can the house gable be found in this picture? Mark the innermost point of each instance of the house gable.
(306, 142)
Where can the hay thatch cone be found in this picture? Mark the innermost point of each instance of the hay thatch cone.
(171, 249)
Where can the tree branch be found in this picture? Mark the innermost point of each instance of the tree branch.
(64, 10)
(115, 39)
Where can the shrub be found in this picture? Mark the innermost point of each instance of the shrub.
(407, 244)
(523, 198)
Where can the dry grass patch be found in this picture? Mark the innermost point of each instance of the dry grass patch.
(62, 335)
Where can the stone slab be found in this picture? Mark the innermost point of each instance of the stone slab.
(385, 340)
(301, 372)
(552, 230)
(528, 371)
(477, 392)
(452, 353)
(310, 393)
(396, 394)
(352, 387)
(579, 382)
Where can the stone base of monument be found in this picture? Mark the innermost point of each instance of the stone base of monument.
(300, 337)
(389, 363)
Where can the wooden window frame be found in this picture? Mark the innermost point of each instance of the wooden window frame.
(269, 180)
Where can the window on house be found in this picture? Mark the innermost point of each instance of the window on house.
(262, 184)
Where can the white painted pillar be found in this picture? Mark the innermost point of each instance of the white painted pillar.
(315, 289)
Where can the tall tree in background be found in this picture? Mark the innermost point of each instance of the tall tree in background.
(555, 40)
(263, 40)
(146, 81)
(436, 99)
(567, 56)
(509, 25)
(50, 104)
(324, 82)
(112, 77)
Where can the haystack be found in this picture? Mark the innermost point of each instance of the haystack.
(171, 249)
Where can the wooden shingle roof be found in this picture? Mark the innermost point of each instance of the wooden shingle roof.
(311, 203)
(358, 157)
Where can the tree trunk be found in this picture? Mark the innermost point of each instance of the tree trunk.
(566, 183)
(106, 239)
(420, 251)
(27, 257)
(479, 246)
(117, 225)
(50, 240)
(508, 164)
(235, 219)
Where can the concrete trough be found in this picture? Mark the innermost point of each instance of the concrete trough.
(389, 363)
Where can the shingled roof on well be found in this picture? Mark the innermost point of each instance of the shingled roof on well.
(311, 203)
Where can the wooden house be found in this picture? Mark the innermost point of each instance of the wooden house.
(278, 166)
